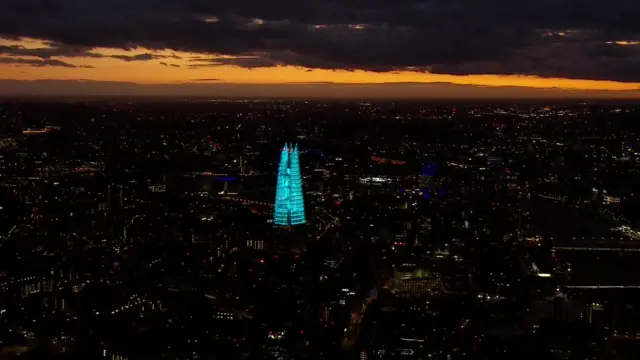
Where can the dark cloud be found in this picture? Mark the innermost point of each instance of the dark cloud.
(552, 38)
(139, 57)
(598, 60)
(142, 57)
(167, 64)
(62, 50)
(59, 50)
(248, 61)
(39, 62)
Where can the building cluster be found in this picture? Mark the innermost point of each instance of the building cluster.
(288, 230)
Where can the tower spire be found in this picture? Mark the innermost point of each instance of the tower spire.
(289, 206)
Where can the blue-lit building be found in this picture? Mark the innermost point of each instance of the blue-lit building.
(289, 207)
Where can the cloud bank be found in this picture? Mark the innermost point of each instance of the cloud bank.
(581, 39)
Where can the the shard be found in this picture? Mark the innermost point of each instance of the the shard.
(289, 206)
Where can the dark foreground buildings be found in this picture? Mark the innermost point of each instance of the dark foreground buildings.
(392, 230)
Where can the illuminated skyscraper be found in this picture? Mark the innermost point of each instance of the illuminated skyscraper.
(289, 208)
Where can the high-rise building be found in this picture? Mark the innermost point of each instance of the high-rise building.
(289, 206)
(415, 281)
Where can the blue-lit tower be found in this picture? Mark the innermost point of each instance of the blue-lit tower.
(289, 207)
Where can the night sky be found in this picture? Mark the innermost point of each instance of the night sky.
(438, 48)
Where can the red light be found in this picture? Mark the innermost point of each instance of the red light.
(261, 261)
(301, 332)
(188, 254)
(275, 257)
(297, 256)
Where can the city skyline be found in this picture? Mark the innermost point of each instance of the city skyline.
(135, 229)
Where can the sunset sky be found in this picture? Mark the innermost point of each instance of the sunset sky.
(439, 48)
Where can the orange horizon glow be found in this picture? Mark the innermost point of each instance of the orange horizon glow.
(153, 72)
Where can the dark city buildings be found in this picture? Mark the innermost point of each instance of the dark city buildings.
(192, 229)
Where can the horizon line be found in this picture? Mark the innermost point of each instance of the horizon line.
(311, 98)
(218, 82)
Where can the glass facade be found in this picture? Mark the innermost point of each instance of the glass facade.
(289, 207)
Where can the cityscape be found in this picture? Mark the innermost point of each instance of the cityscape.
(264, 229)
(319, 180)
